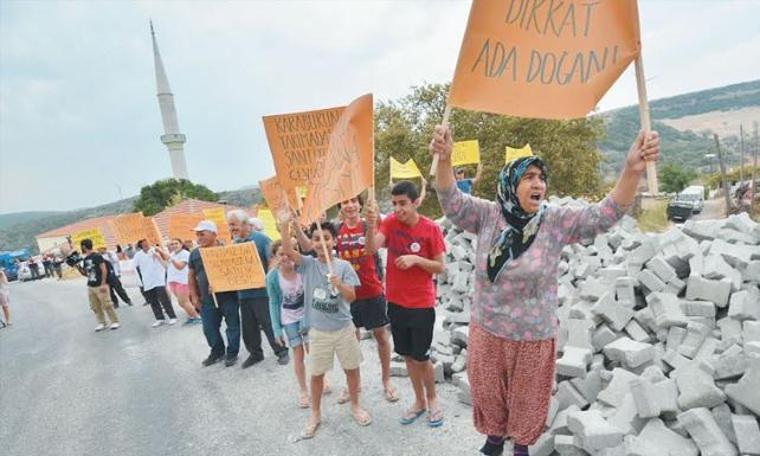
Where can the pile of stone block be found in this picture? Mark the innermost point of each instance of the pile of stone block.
(659, 339)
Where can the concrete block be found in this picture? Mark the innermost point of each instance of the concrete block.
(716, 291)
(593, 289)
(461, 282)
(616, 390)
(567, 395)
(398, 369)
(745, 305)
(707, 349)
(544, 446)
(565, 446)
(696, 386)
(730, 329)
(695, 335)
(645, 252)
(574, 362)
(747, 434)
(657, 440)
(602, 336)
(675, 336)
(648, 279)
(629, 352)
(722, 416)
(559, 424)
(752, 272)
(613, 313)
(594, 432)
(438, 372)
(636, 332)
(737, 256)
(716, 267)
(697, 308)
(579, 333)
(746, 392)
(589, 386)
(731, 363)
(626, 417)
(675, 359)
(662, 269)
(702, 427)
(459, 335)
(654, 399)
(666, 310)
(751, 331)
(624, 291)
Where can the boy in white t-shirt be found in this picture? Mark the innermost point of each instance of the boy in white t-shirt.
(152, 265)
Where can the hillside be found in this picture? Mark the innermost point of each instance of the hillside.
(686, 124)
(19, 229)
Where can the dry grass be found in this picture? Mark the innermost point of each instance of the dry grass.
(654, 218)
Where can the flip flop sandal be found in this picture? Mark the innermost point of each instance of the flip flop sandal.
(410, 416)
(391, 395)
(363, 418)
(435, 418)
(303, 402)
(309, 431)
(344, 397)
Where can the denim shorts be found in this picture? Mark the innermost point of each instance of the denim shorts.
(293, 333)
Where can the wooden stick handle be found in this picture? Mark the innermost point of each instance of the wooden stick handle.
(216, 303)
(646, 121)
(445, 123)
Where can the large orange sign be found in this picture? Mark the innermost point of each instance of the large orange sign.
(181, 225)
(277, 197)
(348, 167)
(543, 59)
(130, 228)
(298, 141)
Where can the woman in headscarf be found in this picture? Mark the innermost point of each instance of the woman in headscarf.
(511, 343)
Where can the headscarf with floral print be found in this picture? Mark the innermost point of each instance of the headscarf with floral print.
(521, 227)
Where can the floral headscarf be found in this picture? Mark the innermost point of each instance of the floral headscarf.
(521, 227)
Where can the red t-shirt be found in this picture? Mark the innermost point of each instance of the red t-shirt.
(351, 247)
(413, 287)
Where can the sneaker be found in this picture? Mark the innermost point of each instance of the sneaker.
(230, 360)
(212, 359)
(158, 323)
(172, 321)
(115, 325)
(188, 322)
(251, 360)
(283, 358)
(129, 303)
(100, 327)
(197, 320)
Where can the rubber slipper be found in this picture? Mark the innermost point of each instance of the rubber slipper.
(344, 397)
(410, 416)
(391, 395)
(435, 418)
(362, 418)
(309, 431)
(303, 402)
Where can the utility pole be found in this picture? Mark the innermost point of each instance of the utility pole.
(723, 174)
(741, 153)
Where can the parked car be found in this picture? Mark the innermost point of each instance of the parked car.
(694, 194)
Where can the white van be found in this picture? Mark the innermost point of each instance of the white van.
(693, 195)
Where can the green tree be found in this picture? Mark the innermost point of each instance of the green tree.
(167, 192)
(403, 129)
(675, 178)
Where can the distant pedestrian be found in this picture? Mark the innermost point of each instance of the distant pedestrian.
(151, 262)
(176, 278)
(96, 271)
(114, 278)
(5, 299)
(464, 184)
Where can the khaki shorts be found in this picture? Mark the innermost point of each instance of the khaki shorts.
(324, 345)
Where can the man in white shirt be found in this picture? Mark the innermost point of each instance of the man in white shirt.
(152, 265)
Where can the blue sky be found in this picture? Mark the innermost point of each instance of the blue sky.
(79, 118)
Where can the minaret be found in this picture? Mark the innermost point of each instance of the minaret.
(173, 139)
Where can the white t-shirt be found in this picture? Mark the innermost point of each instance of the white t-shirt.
(178, 275)
(152, 271)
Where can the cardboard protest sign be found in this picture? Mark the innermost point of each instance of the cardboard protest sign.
(219, 217)
(130, 228)
(406, 170)
(347, 168)
(465, 153)
(233, 267)
(181, 225)
(298, 141)
(93, 234)
(541, 59)
(277, 197)
(270, 224)
(511, 154)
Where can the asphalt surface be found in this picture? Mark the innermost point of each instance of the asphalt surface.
(66, 390)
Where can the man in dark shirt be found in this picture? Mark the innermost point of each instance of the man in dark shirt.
(95, 269)
(201, 297)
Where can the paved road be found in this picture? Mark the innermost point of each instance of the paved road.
(65, 390)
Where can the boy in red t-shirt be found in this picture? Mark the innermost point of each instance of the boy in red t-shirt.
(415, 252)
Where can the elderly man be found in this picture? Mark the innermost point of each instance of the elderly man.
(254, 303)
(201, 297)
